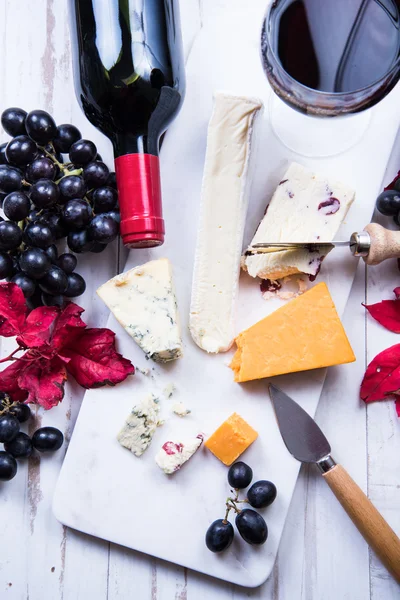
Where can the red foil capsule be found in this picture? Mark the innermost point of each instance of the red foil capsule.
(139, 188)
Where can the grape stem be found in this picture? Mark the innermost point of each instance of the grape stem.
(11, 356)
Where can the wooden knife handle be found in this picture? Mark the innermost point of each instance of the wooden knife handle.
(366, 518)
(384, 244)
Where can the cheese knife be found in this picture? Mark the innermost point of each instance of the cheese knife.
(306, 442)
(375, 244)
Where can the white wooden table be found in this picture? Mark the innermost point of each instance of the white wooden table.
(322, 556)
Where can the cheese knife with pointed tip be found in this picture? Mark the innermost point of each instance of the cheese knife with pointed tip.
(306, 442)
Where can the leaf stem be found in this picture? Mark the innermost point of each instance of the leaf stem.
(11, 356)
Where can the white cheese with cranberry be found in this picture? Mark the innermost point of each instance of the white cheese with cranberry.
(174, 454)
(223, 208)
(140, 427)
(304, 208)
(143, 301)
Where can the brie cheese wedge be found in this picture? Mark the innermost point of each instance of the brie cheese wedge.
(304, 208)
(140, 426)
(174, 454)
(143, 301)
(224, 201)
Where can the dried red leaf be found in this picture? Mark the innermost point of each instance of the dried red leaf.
(44, 381)
(396, 292)
(9, 380)
(391, 184)
(37, 329)
(12, 309)
(382, 377)
(397, 404)
(94, 361)
(68, 323)
(387, 313)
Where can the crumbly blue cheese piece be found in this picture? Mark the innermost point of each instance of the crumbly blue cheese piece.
(174, 454)
(143, 301)
(224, 200)
(304, 208)
(180, 409)
(140, 426)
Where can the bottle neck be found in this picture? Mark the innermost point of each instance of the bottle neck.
(129, 143)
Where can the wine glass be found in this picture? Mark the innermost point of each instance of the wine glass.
(331, 61)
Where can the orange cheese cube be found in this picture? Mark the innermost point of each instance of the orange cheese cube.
(306, 333)
(231, 439)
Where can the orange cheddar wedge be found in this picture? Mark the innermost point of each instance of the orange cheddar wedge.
(231, 439)
(304, 334)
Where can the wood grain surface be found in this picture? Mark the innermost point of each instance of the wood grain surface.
(321, 556)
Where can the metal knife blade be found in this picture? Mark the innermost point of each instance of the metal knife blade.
(302, 436)
(267, 248)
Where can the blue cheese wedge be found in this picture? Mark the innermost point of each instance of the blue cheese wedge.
(223, 209)
(174, 454)
(304, 208)
(143, 301)
(140, 426)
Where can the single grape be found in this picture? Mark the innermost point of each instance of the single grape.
(112, 181)
(95, 174)
(55, 281)
(27, 285)
(77, 214)
(99, 157)
(10, 235)
(3, 158)
(66, 136)
(44, 193)
(21, 150)
(38, 234)
(388, 203)
(8, 466)
(240, 475)
(34, 262)
(21, 411)
(40, 126)
(251, 526)
(40, 168)
(6, 265)
(20, 446)
(67, 262)
(54, 221)
(102, 228)
(82, 152)
(219, 535)
(97, 248)
(47, 439)
(16, 206)
(50, 300)
(13, 121)
(104, 199)
(78, 241)
(115, 214)
(9, 427)
(52, 253)
(261, 494)
(10, 179)
(71, 186)
(76, 285)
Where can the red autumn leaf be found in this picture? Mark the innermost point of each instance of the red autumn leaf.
(12, 309)
(391, 184)
(36, 331)
(9, 380)
(44, 381)
(382, 377)
(387, 313)
(67, 325)
(94, 361)
(397, 403)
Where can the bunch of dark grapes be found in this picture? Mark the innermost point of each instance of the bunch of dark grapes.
(17, 444)
(53, 184)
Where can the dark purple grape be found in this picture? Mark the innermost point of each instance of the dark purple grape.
(102, 228)
(67, 262)
(20, 446)
(97, 248)
(66, 136)
(261, 494)
(115, 214)
(240, 475)
(13, 121)
(219, 535)
(15, 264)
(72, 186)
(47, 439)
(8, 466)
(40, 126)
(77, 214)
(6, 265)
(52, 253)
(95, 174)
(21, 411)
(104, 199)
(16, 206)
(10, 235)
(38, 234)
(50, 300)
(388, 203)
(54, 221)
(34, 262)
(251, 526)
(9, 427)
(10, 179)
(78, 241)
(55, 281)
(76, 285)
(99, 157)
(44, 193)
(3, 158)
(21, 150)
(82, 152)
(27, 285)
(112, 181)
(41, 168)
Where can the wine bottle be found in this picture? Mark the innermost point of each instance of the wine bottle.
(129, 80)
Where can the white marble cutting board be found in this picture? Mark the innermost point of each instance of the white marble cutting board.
(105, 491)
